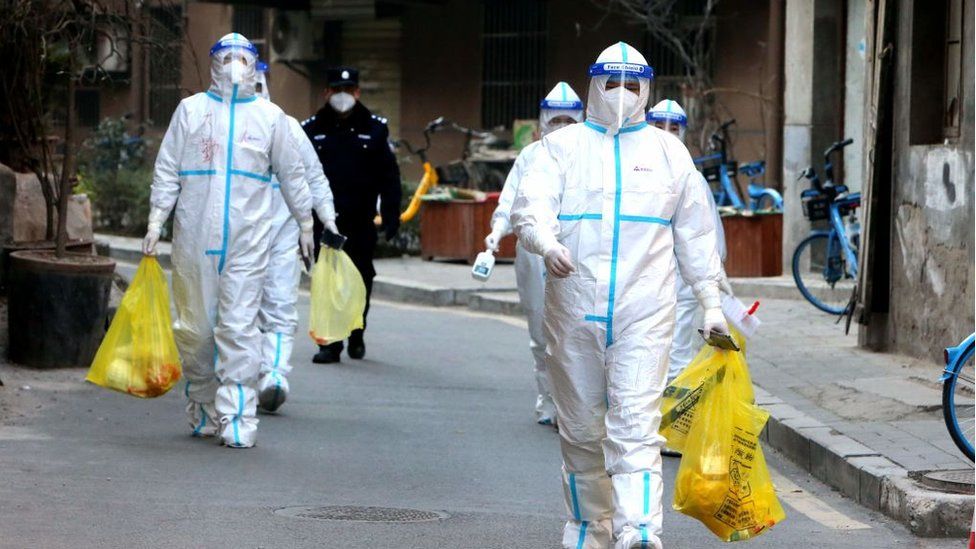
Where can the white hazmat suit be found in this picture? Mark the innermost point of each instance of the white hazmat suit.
(530, 269)
(278, 319)
(214, 167)
(610, 203)
(670, 117)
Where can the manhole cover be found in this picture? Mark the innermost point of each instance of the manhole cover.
(361, 514)
(957, 480)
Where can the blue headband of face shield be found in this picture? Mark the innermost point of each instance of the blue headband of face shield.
(659, 116)
(626, 69)
(561, 104)
(233, 42)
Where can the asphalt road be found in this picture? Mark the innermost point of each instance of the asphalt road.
(437, 418)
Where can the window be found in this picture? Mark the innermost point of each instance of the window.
(953, 70)
(936, 68)
(249, 21)
(88, 107)
(165, 62)
(514, 60)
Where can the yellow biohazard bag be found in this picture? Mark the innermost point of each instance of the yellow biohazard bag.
(138, 355)
(338, 297)
(680, 400)
(723, 480)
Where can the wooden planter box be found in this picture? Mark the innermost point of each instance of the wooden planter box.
(755, 245)
(456, 230)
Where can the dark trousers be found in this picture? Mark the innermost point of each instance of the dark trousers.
(360, 247)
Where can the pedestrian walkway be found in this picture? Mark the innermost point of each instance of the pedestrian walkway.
(866, 423)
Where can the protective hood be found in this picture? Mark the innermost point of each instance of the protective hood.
(669, 116)
(618, 108)
(561, 101)
(261, 81)
(237, 75)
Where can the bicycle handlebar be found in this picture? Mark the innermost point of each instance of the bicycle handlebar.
(837, 145)
(721, 137)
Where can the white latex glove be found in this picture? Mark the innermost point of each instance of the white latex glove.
(714, 322)
(559, 262)
(492, 240)
(151, 239)
(306, 243)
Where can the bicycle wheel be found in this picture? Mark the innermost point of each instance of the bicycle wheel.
(821, 275)
(959, 402)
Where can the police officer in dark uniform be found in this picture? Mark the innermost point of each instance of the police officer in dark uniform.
(353, 146)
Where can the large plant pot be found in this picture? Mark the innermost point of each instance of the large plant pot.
(82, 245)
(57, 307)
(456, 229)
(754, 244)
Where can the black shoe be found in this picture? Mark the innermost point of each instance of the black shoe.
(326, 355)
(357, 348)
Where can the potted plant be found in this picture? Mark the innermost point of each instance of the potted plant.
(58, 299)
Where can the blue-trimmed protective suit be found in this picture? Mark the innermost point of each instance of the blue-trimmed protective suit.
(529, 268)
(214, 168)
(625, 199)
(279, 316)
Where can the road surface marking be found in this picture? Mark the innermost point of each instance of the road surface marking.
(807, 504)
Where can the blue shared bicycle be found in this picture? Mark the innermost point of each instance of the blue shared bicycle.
(825, 262)
(760, 197)
(720, 173)
(959, 394)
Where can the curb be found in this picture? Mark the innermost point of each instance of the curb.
(863, 474)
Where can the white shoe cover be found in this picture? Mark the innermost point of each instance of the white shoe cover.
(641, 538)
(202, 418)
(545, 410)
(237, 404)
(272, 391)
(594, 534)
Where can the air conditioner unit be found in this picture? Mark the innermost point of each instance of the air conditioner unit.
(296, 37)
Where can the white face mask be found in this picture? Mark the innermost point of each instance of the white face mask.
(234, 72)
(622, 103)
(342, 101)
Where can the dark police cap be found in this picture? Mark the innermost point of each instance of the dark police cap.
(342, 76)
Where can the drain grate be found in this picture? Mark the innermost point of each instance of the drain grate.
(361, 514)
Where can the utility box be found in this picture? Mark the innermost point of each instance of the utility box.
(754, 244)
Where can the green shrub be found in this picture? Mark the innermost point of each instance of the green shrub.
(115, 173)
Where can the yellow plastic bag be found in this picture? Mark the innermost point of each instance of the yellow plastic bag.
(679, 403)
(138, 355)
(338, 297)
(723, 480)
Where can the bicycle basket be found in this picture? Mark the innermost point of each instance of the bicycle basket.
(816, 206)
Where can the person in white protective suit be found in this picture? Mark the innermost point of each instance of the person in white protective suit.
(214, 167)
(670, 117)
(278, 318)
(609, 204)
(560, 108)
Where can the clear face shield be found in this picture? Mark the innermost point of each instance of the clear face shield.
(555, 114)
(623, 89)
(671, 126)
(261, 81)
(235, 64)
(233, 61)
